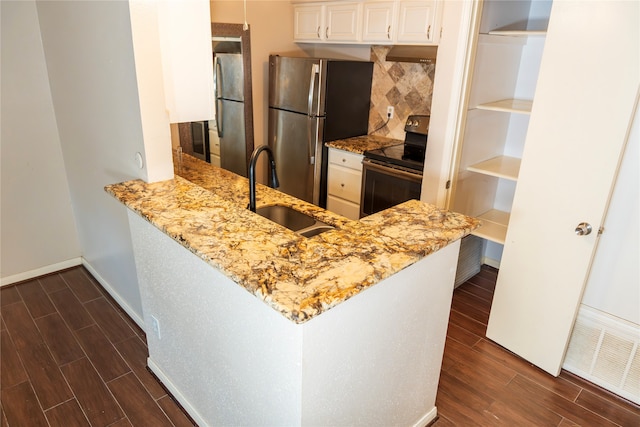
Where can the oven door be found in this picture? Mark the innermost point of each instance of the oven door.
(385, 185)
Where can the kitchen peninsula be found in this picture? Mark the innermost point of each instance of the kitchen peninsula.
(249, 323)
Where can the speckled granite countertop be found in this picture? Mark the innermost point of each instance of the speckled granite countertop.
(360, 144)
(204, 210)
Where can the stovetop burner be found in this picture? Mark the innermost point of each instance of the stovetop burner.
(398, 155)
(411, 153)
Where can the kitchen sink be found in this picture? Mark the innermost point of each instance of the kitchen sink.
(294, 220)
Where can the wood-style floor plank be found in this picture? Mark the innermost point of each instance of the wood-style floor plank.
(45, 376)
(21, 406)
(35, 299)
(52, 283)
(71, 310)
(109, 320)
(79, 283)
(63, 345)
(67, 414)
(481, 383)
(137, 403)
(92, 394)
(134, 352)
(12, 372)
(102, 353)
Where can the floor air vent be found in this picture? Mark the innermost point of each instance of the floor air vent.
(605, 351)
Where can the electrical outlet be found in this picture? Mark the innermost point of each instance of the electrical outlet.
(390, 112)
(155, 325)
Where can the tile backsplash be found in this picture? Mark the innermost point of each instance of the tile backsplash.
(407, 87)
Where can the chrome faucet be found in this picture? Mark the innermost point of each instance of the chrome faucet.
(273, 181)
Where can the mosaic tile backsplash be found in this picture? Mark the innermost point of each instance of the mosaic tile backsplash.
(407, 87)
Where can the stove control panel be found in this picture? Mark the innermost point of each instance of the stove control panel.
(417, 124)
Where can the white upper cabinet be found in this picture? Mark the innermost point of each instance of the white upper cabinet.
(343, 22)
(379, 22)
(367, 22)
(308, 22)
(418, 23)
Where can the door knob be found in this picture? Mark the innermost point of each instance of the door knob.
(583, 229)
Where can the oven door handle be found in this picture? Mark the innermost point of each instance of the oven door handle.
(390, 169)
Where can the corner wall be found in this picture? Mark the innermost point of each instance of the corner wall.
(37, 228)
(89, 55)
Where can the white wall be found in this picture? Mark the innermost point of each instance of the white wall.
(614, 283)
(90, 61)
(37, 230)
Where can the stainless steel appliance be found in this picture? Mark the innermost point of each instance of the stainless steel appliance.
(228, 86)
(200, 140)
(393, 175)
(312, 101)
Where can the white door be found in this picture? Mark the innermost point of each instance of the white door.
(587, 87)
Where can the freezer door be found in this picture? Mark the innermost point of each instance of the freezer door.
(228, 76)
(294, 139)
(232, 141)
(297, 84)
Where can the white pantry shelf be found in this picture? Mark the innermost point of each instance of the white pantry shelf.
(494, 226)
(518, 33)
(518, 106)
(502, 167)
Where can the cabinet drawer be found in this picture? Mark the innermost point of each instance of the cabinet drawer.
(344, 183)
(345, 159)
(342, 207)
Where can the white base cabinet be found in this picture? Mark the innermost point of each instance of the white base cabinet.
(344, 183)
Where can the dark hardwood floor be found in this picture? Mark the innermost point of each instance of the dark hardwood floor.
(71, 357)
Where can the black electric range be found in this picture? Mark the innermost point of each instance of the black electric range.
(411, 153)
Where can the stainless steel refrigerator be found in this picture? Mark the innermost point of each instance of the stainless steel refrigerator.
(228, 84)
(313, 101)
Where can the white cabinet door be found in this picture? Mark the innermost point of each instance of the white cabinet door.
(578, 127)
(417, 22)
(308, 22)
(378, 21)
(343, 21)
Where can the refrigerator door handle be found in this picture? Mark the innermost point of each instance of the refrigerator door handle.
(311, 140)
(217, 77)
(315, 70)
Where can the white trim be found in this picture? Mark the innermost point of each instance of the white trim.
(47, 269)
(176, 393)
(491, 262)
(427, 418)
(115, 295)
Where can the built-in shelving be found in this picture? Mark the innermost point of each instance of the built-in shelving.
(508, 50)
(501, 167)
(518, 33)
(494, 226)
(518, 106)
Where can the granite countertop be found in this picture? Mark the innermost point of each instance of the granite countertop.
(204, 208)
(360, 144)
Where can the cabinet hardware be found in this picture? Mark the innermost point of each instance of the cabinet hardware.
(326, 33)
(318, 31)
(429, 32)
(389, 32)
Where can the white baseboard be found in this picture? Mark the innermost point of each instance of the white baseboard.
(427, 418)
(47, 269)
(606, 351)
(115, 295)
(491, 262)
(176, 393)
